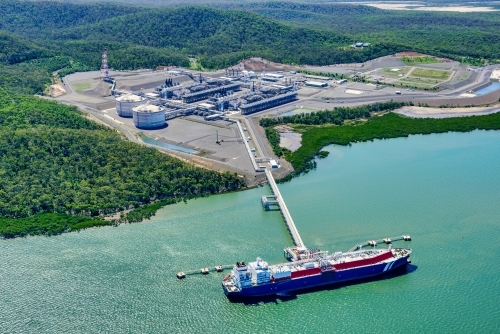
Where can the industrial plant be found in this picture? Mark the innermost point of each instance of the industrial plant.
(210, 97)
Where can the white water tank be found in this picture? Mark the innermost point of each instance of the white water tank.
(148, 116)
(125, 104)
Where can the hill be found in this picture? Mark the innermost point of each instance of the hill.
(15, 49)
(218, 37)
(448, 34)
(286, 32)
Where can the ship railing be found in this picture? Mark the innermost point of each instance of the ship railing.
(317, 259)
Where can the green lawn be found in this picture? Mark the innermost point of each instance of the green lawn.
(394, 74)
(81, 86)
(419, 60)
(432, 74)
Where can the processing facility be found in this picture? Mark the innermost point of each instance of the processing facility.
(211, 98)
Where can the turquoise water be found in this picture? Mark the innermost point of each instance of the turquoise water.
(160, 143)
(296, 112)
(488, 89)
(443, 190)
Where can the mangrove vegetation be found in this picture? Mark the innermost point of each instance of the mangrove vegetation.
(390, 125)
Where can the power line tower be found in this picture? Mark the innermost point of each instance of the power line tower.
(104, 66)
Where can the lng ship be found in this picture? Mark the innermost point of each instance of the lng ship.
(309, 269)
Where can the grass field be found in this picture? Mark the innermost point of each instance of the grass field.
(81, 86)
(432, 74)
(420, 82)
(394, 74)
(419, 60)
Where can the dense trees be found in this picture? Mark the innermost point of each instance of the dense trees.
(336, 116)
(139, 37)
(448, 34)
(46, 224)
(53, 160)
(216, 35)
(147, 37)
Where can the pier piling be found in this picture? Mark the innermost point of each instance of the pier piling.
(297, 240)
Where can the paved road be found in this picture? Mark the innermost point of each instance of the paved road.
(68, 87)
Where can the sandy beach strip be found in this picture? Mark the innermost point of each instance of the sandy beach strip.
(423, 112)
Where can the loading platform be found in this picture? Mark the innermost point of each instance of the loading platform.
(373, 243)
(280, 202)
(269, 201)
(204, 271)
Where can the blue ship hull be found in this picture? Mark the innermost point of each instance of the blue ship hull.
(325, 278)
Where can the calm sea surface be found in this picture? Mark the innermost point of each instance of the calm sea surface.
(443, 190)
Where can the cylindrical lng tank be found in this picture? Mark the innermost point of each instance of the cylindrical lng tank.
(125, 104)
(148, 116)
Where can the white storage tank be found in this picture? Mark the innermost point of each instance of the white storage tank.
(148, 116)
(125, 104)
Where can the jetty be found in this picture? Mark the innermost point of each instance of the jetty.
(204, 271)
(373, 243)
(278, 200)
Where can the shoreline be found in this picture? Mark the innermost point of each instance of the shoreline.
(439, 113)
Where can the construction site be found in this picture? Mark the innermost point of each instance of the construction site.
(211, 118)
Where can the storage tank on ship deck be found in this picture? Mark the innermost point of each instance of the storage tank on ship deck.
(125, 104)
(148, 116)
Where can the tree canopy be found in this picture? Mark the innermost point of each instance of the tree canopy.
(54, 160)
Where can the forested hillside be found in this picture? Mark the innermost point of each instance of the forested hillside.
(448, 34)
(320, 34)
(167, 36)
(54, 160)
(14, 49)
(36, 18)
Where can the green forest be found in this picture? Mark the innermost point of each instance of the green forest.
(462, 36)
(286, 32)
(53, 160)
(336, 116)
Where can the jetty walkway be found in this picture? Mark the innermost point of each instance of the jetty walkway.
(278, 200)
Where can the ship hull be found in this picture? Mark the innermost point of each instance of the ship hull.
(322, 279)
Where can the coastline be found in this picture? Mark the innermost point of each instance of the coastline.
(389, 125)
(427, 112)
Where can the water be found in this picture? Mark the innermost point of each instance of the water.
(160, 143)
(443, 190)
(488, 89)
(296, 112)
